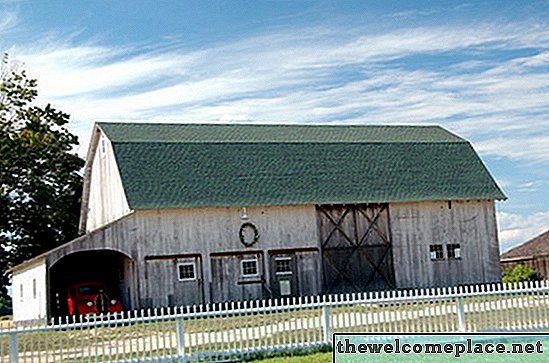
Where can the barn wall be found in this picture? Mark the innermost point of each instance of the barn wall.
(178, 233)
(471, 224)
(158, 241)
(29, 292)
(107, 200)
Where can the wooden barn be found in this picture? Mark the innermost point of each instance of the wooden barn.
(534, 253)
(178, 214)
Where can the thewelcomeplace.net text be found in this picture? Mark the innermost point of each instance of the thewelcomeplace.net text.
(457, 349)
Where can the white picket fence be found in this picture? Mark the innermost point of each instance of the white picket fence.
(239, 330)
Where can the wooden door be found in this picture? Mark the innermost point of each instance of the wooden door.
(172, 281)
(189, 285)
(356, 247)
(237, 276)
(284, 277)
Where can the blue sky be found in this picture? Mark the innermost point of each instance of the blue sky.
(479, 68)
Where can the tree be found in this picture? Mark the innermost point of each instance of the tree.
(40, 183)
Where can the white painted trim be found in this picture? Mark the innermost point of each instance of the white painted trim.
(254, 259)
(187, 263)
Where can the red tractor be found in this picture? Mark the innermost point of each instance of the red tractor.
(91, 298)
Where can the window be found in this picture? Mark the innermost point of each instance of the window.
(436, 252)
(454, 251)
(21, 292)
(283, 265)
(34, 288)
(103, 147)
(186, 271)
(249, 267)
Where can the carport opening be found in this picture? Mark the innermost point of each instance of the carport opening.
(107, 268)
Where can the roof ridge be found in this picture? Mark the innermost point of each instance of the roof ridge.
(267, 124)
(274, 142)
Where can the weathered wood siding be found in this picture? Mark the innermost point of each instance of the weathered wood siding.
(216, 230)
(228, 282)
(416, 226)
(178, 292)
(156, 241)
(107, 200)
(308, 273)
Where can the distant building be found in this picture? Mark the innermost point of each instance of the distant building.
(534, 253)
(176, 214)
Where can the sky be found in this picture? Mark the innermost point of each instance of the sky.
(478, 68)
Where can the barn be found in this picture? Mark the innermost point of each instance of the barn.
(176, 214)
(534, 253)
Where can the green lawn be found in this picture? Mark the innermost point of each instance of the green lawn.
(312, 358)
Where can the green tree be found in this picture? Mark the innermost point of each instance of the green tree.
(40, 183)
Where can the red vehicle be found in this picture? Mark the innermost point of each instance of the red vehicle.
(91, 298)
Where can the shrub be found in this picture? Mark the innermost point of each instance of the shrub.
(519, 273)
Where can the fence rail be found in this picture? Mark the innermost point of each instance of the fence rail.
(236, 330)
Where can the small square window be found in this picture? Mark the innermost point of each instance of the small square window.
(436, 252)
(454, 251)
(186, 271)
(283, 265)
(249, 267)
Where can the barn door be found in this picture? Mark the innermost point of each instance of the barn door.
(188, 287)
(237, 276)
(284, 281)
(356, 247)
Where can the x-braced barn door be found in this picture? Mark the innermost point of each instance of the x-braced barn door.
(356, 247)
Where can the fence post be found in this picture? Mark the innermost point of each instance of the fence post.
(13, 349)
(326, 322)
(461, 314)
(180, 333)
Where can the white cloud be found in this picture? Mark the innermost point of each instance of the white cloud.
(534, 147)
(516, 229)
(302, 76)
(8, 21)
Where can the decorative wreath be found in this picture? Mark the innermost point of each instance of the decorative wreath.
(242, 235)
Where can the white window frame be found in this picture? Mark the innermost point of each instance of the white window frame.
(284, 258)
(188, 263)
(456, 248)
(255, 260)
(432, 254)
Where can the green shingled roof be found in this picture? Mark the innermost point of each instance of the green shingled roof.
(189, 165)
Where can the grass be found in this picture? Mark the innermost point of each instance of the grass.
(312, 358)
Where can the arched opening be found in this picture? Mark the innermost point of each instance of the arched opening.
(107, 271)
